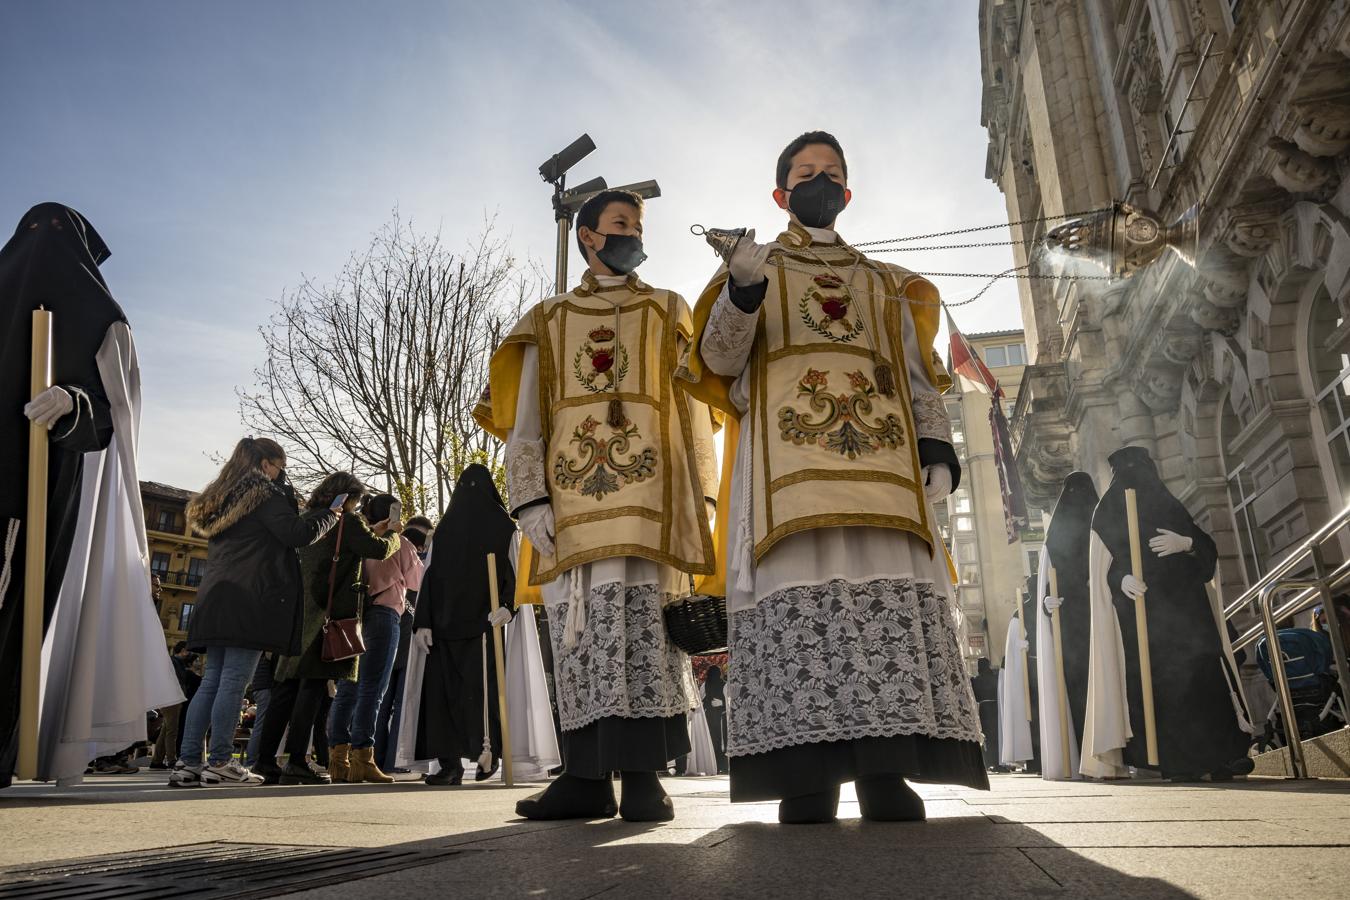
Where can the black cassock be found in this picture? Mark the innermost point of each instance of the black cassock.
(51, 261)
(1068, 541)
(454, 602)
(1198, 730)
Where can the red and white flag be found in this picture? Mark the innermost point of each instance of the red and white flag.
(966, 362)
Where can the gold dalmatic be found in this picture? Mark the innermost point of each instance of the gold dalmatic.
(830, 401)
(620, 460)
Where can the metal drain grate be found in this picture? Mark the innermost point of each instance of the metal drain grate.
(213, 870)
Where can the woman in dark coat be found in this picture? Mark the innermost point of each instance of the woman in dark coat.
(302, 677)
(451, 622)
(249, 601)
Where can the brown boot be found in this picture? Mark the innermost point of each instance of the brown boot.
(363, 768)
(339, 762)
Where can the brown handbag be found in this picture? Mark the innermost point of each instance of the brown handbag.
(341, 637)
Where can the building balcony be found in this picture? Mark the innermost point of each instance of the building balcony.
(178, 579)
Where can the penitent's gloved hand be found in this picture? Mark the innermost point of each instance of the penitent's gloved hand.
(1167, 543)
(48, 407)
(499, 617)
(421, 638)
(1052, 603)
(1132, 587)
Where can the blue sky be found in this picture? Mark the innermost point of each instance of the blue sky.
(224, 150)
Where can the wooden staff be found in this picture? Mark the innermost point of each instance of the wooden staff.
(1141, 630)
(1063, 681)
(507, 768)
(35, 559)
(1026, 674)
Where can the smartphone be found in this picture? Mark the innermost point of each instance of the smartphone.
(338, 501)
(396, 512)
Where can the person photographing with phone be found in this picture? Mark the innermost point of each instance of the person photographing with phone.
(332, 570)
(351, 734)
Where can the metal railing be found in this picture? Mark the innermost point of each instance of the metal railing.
(1290, 574)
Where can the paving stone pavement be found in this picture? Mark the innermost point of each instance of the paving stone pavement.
(1024, 838)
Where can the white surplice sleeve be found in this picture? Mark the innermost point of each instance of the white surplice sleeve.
(930, 412)
(728, 336)
(525, 481)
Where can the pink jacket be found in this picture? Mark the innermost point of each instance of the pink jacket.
(389, 580)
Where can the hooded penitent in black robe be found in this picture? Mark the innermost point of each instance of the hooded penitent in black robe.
(454, 602)
(1029, 621)
(51, 261)
(1198, 731)
(1068, 541)
(985, 687)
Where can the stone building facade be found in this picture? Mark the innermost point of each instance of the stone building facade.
(1235, 372)
(991, 570)
(177, 557)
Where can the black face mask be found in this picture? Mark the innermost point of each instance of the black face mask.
(622, 253)
(818, 202)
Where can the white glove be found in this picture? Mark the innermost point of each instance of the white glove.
(499, 617)
(536, 522)
(1132, 587)
(717, 703)
(747, 260)
(49, 406)
(937, 481)
(1169, 542)
(1023, 645)
(422, 638)
(1052, 603)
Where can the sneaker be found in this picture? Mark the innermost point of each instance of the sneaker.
(185, 776)
(229, 773)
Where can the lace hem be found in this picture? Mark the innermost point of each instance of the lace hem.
(834, 660)
(930, 417)
(525, 481)
(853, 733)
(622, 664)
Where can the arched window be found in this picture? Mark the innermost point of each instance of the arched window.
(1331, 384)
(1243, 492)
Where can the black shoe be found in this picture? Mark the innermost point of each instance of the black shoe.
(294, 773)
(887, 798)
(571, 797)
(809, 809)
(159, 765)
(1243, 765)
(480, 775)
(555, 771)
(1185, 778)
(644, 800)
(446, 777)
(270, 771)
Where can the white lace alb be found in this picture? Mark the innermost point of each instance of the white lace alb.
(841, 661)
(622, 664)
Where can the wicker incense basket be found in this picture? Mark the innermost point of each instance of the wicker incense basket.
(698, 624)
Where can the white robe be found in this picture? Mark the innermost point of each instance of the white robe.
(1014, 729)
(1050, 679)
(702, 758)
(534, 741)
(104, 662)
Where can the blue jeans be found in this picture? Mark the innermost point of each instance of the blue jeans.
(260, 699)
(217, 704)
(357, 703)
(386, 726)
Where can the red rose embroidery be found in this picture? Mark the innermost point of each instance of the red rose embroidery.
(834, 307)
(602, 360)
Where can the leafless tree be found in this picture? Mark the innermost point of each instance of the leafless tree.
(378, 373)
